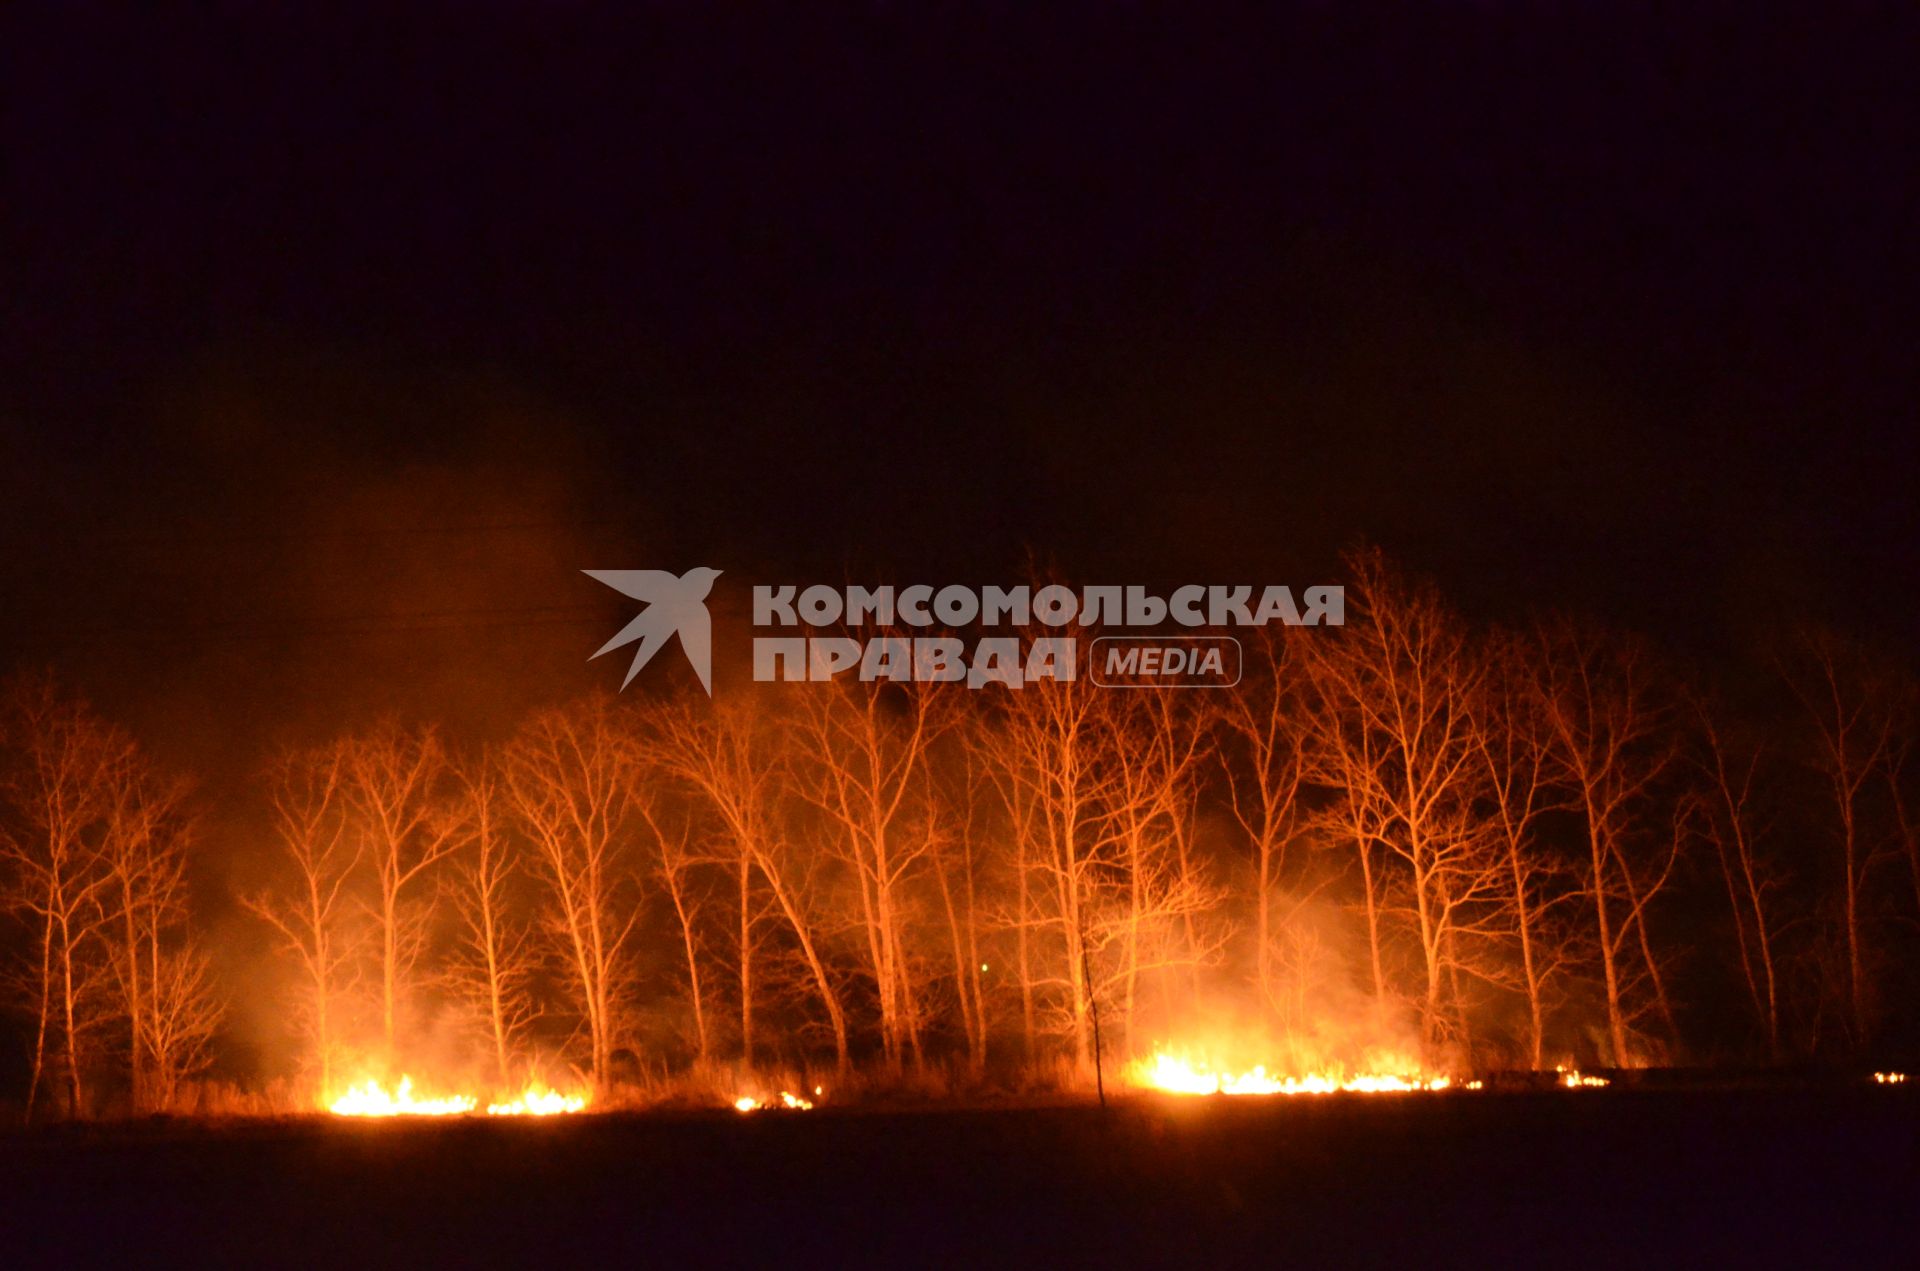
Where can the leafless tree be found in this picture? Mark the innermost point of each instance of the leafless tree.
(570, 776)
(1732, 818)
(1612, 741)
(1846, 698)
(57, 794)
(493, 961)
(999, 799)
(860, 758)
(726, 754)
(184, 1008)
(1154, 742)
(1900, 767)
(676, 862)
(394, 783)
(1264, 777)
(1046, 751)
(1391, 708)
(308, 909)
(957, 853)
(1514, 748)
(164, 992)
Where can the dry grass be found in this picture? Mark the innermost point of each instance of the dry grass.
(709, 1085)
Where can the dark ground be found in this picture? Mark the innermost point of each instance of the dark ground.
(1612, 1178)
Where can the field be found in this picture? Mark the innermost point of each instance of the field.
(1827, 1177)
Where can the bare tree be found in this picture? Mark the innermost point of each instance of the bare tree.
(394, 778)
(571, 778)
(860, 757)
(1612, 743)
(1047, 759)
(1900, 766)
(672, 836)
(494, 961)
(1846, 700)
(1514, 748)
(957, 855)
(1731, 818)
(183, 1010)
(994, 787)
(1264, 779)
(307, 790)
(725, 754)
(143, 848)
(1391, 707)
(58, 798)
(1155, 744)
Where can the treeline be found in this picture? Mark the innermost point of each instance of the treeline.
(1486, 847)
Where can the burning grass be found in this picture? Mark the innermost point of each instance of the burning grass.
(372, 1099)
(1176, 1072)
(709, 1086)
(1168, 1072)
(788, 1101)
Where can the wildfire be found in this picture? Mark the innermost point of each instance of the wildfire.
(537, 1101)
(1889, 1078)
(1574, 1079)
(1173, 1074)
(797, 1103)
(371, 1099)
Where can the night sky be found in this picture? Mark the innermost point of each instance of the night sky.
(334, 348)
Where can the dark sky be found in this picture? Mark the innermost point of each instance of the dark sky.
(335, 345)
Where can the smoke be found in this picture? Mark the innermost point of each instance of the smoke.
(1317, 1013)
(299, 545)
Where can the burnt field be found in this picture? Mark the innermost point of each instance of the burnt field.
(1613, 1178)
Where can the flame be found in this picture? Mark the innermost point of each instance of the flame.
(1574, 1079)
(1174, 1074)
(538, 1101)
(798, 1103)
(371, 1099)
(1889, 1078)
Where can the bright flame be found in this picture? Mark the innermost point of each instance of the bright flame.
(1889, 1078)
(537, 1101)
(371, 1099)
(1574, 1079)
(1174, 1074)
(747, 1103)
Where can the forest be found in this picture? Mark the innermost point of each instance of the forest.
(1415, 842)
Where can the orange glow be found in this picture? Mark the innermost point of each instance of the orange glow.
(1889, 1078)
(797, 1103)
(1175, 1074)
(371, 1099)
(1574, 1079)
(538, 1101)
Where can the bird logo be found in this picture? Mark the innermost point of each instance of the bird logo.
(676, 605)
